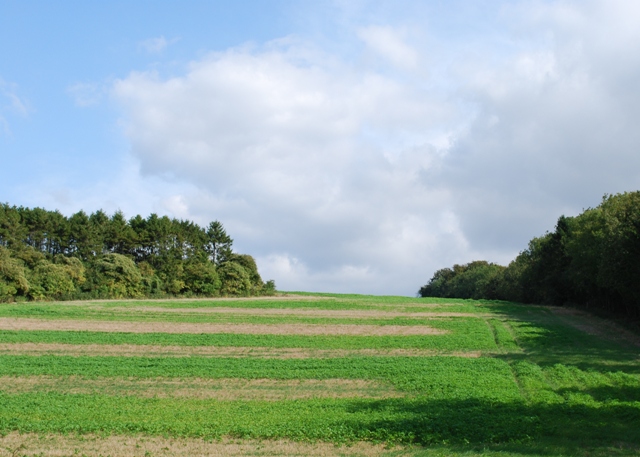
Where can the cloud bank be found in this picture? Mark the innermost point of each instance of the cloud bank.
(340, 175)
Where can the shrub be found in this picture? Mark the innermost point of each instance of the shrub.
(235, 279)
(13, 280)
(116, 276)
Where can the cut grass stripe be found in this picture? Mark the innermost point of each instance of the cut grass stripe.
(230, 315)
(408, 306)
(136, 445)
(437, 377)
(464, 335)
(220, 389)
(207, 327)
(132, 350)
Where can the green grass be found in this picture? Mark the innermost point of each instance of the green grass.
(435, 377)
(464, 334)
(133, 311)
(407, 420)
(541, 388)
(75, 313)
(325, 301)
(393, 420)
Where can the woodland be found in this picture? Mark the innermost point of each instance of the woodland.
(47, 256)
(590, 261)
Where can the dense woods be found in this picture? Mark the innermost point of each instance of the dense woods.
(590, 261)
(45, 255)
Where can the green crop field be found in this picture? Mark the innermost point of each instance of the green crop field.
(315, 374)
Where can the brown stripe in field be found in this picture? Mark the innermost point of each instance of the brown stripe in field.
(283, 298)
(53, 445)
(219, 389)
(132, 350)
(329, 313)
(9, 323)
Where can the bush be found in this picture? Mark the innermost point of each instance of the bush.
(13, 280)
(201, 278)
(56, 280)
(116, 276)
(235, 279)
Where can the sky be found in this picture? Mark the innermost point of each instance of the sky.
(349, 146)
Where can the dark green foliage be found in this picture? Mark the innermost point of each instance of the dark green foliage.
(248, 263)
(591, 261)
(13, 280)
(116, 276)
(235, 279)
(48, 256)
(478, 279)
(201, 278)
(58, 279)
(218, 244)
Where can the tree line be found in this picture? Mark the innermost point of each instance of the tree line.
(47, 256)
(591, 261)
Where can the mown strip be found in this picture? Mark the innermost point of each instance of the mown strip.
(305, 312)
(575, 408)
(132, 350)
(464, 335)
(403, 305)
(231, 315)
(219, 389)
(436, 377)
(133, 445)
(208, 327)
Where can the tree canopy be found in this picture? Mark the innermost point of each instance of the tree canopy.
(45, 255)
(591, 260)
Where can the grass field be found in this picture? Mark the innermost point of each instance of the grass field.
(315, 374)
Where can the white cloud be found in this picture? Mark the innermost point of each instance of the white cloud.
(284, 133)
(156, 45)
(555, 122)
(346, 178)
(11, 104)
(390, 43)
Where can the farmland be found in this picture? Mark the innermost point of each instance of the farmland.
(315, 374)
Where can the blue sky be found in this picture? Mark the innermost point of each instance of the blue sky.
(350, 146)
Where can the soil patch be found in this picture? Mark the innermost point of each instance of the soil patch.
(14, 444)
(132, 350)
(8, 323)
(218, 389)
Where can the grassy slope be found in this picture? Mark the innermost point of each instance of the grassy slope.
(543, 388)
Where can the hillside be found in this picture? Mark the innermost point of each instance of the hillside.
(307, 374)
